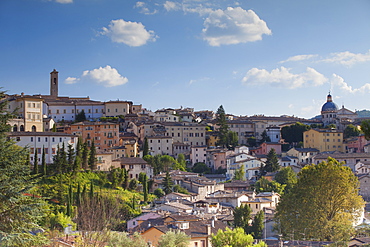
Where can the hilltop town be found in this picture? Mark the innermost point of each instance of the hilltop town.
(192, 169)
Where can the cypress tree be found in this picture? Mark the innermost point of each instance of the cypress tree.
(146, 147)
(69, 201)
(35, 163)
(92, 158)
(91, 193)
(70, 158)
(43, 162)
(78, 195)
(85, 156)
(145, 188)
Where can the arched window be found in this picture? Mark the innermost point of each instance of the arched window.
(33, 128)
(21, 128)
(15, 128)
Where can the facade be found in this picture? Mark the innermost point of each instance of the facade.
(104, 134)
(117, 108)
(324, 140)
(134, 166)
(198, 154)
(160, 145)
(104, 161)
(216, 158)
(29, 111)
(243, 128)
(304, 155)
(348, 159)
(356, 144)
(187, 133)
(50, 141)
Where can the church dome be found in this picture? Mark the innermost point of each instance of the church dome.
(329, 106)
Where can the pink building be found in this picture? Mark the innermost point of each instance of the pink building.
(356, 144)
(266, 147)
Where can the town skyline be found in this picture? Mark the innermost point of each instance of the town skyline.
(251, 57)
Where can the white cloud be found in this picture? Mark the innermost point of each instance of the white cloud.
(71, 80)
(233, 26)
(299, 58)
(64, 1)
(171, 6)
(282, 77)
(338, 81)
(129, 33)
(347, 58)
(107, 76)
(144, 9)
(198, 80)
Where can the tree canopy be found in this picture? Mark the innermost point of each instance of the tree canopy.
(323, 204)
(234, 238)
(351, 131)
(365, 127)
(174, 238)
(293, 134)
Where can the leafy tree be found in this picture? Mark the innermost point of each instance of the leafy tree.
(123, 239)
(294, 133)
(174, 238)
(234, 238)
(232, 139)
(181, 162)
(159, 192)
(240, 173)
(35, 163)
(146, 147)
(223, 128)
(272, 163)
(242, 215)
(201, 167)
(324, 203)
(133, 184)
(365, 127)
(167, 183)
(125, 182)
(351, 131)
(62, 159)
(80, 117)
(258, 225)
(92, 158)
(286, 176)
(20, 213)
(167, 162)
(179, 189)
(252, 141)
(265, 137)
(264, 185)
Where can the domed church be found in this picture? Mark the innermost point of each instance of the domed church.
(331, 114)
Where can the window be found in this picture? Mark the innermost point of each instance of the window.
(38, 139)
(64, 111)
(31, 139)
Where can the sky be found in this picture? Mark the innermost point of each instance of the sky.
(252, 57)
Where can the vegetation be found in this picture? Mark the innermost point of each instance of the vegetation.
(174, 238)
(20, 212)
(264, 185)
(330, 187)
(293, 134)
(240, 174)
(234, 238)
(286, 176)
(272, 163)
(365, 127)
(351, 131)
(226, 138)
(80, 117)
(201, 167)
(167, 183)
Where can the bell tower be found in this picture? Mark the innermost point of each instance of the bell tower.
(54, 83)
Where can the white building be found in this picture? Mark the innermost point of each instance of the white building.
(160, 145)
(198, 154)
(50, 141)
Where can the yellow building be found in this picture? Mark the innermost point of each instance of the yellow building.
(324, 140)
(29, 112)
(117, 108)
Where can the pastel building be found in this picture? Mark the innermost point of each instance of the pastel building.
(324, 140)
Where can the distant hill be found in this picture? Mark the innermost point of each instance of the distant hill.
(363, 114)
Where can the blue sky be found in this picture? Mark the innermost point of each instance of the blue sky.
(253, 56)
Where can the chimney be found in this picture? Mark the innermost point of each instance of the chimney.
(209, 229)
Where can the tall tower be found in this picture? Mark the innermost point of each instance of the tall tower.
(54, 83)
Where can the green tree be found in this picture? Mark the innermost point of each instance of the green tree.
(293, 134)
(167, 183)
(43, 163)
(78, 156)
(351, 131)
(133, 184)
(365, 127)
(258, 225)
(201, 167)
(174, 238)
(167, 162)
(232, 139)
(145, 147)
(181, 162)
(265, 137)
(240, 174)
(223, 128)
(35, 163)
(272, 163)
(286, 176)
(234, 238)
(242, 215)
(92, 158)
(179, 189)
(252, 141)
(85, 156)
(323, 204)
(264, 185)
(70, 157)
(159, 192)
(20, 213)
(80, 117)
